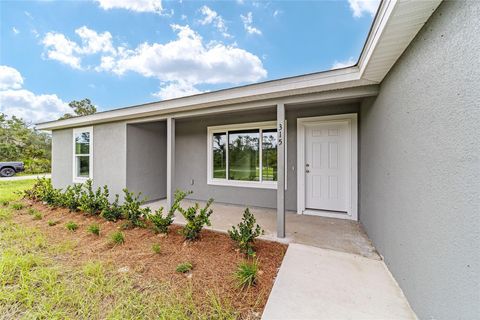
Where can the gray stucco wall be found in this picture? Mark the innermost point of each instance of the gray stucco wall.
(147, 159)
(109, 157)
(420, 168)
(191, 155)
(62, 163)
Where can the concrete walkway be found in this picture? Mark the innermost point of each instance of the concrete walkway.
(315, 283)
(328, 233)
(29, 177)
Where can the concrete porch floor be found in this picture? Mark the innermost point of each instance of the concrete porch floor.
(328, 233)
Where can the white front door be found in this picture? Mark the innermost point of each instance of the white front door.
(328, 166)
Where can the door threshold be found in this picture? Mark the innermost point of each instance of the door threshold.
(328, 214)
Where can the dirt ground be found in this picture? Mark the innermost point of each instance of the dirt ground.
(214, 256)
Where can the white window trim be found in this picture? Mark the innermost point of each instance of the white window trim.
(75, 178)
(236, 183)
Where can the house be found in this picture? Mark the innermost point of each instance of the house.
(392, 142)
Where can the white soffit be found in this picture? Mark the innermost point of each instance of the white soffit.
(396, 24)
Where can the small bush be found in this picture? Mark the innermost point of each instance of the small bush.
(156, 248)
(113, 211)
(184, 267)
(92, 202)
(5, 203)
(94, 229)
(131, 209)
(17, 206)
(71, 197)
(195, 220)
(32, 211)
(72, 226)
(246, 274)
(37, 216)
(245, 233)
(160, 222)
(117, 237)
(43, 190)
(52, 223)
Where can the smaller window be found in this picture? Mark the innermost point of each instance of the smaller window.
(82, 154)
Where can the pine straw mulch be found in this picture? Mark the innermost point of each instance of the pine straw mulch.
(214, 256)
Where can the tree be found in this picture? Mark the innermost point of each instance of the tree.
(20, 142)
(80, 108)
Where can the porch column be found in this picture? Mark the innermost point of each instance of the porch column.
(281, 170)
(170, 160)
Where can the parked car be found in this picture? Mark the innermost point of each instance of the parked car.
(9, 169)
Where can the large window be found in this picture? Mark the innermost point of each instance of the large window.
(243, 155)
(82, 154)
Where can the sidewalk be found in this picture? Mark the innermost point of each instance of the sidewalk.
(29, 177)
(315, 283)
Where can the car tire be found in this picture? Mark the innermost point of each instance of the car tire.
(7, 172)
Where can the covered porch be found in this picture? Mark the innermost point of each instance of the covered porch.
(327, 233)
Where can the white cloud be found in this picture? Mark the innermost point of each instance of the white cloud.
(61, 49)
(175, 90)
(133, 5)
(25, 104)
(93, 42)
(359, 7)
(212, 17)
(247, 24)
(180, 64)
(276, 13)
(10, 78)
(106, 63)
(31, 107)
(187, 59)
(15, 30)
(343, 64)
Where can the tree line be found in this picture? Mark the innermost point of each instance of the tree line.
(20, 141)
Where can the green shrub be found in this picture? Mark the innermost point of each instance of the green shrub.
(17, 206)
(37, 216)
(94, 229)
(5, 203)
(32, 211)
(117, 237)
(52, 223)
(246, 274)
(184, 267)
(112, 211)
(71, 197)
(92, 202)
(43, 190)
(195, 220)
(245, 233)
(131, 209)
(160, 222)
(156, 248)
(72, 226)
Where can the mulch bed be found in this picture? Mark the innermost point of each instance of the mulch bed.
(214, 256)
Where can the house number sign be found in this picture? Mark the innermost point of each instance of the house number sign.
(280, 134)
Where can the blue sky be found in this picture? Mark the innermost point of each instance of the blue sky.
(126, 52)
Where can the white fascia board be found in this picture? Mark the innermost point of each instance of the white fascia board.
(311, 83)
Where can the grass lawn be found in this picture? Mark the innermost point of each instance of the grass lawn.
(49, 272)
